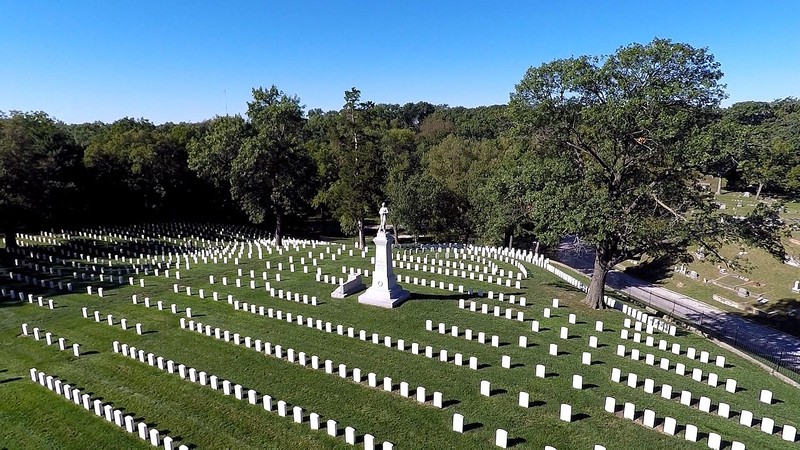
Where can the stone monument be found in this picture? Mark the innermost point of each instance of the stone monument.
(384, 292)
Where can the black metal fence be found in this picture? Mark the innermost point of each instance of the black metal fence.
(784, 359)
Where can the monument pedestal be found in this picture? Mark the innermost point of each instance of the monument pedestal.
(384, 292)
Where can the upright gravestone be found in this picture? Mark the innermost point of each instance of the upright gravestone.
(384, 292)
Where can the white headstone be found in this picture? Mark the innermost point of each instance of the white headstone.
(501, 438)
(458, 423)
(690, 433)
(566, 412)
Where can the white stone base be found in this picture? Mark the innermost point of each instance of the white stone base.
(352, 286)
(384, 298)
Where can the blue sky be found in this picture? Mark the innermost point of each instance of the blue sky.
(178, 61)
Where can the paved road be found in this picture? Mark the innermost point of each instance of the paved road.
(766, 339)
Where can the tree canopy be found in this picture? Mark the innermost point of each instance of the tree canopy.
(614, 134)
(262, 160)
(39, 166)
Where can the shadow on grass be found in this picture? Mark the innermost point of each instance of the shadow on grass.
(472, 426)
(447, 403)
(580, 416)
(90, 352)
(9, 380)
(657, 270)
(416, 296)
(494, 392)
(6, 304)
(516, 441)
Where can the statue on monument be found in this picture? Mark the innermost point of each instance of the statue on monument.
(384, 213)
(384, 292)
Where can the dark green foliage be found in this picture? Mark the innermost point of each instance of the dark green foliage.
(262, 161)
(758, 146)
(40, 166)
(615, 133)
(351, 158)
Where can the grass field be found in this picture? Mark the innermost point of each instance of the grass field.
(200, 417)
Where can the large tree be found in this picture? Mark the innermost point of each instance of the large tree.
(612, 134)
(462, 165)
(39, 168)
(138, 168)
(263, 161)
(354, 151)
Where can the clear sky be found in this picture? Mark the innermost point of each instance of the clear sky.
(170, 60)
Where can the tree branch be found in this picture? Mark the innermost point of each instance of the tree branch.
(685, 220)
(594, 155)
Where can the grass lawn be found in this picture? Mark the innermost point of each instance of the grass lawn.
(33, 417)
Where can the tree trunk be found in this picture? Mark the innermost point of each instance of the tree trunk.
(594, 296)
(719, 186)
(511, 240)
(758, 192)
(278, 230)
(360, 225)
(11, 239)
(536, 251)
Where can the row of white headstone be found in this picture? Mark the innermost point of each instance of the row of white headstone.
(241, 393)
(49, 339)
(705, 404)
(653, 323)
(363, 335)
(21, 296)
(39, 283)
(127, 422)
(696, 374)
(109, 319)
(160, 305)
(50, 304)
(482, 264)
(691, 352)
(512, 298)
(497, 311)
(313, 361)
(670, 425)
(481, 337)
(507, 282)
(274, 293)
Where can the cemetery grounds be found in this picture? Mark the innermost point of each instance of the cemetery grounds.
(622, 399)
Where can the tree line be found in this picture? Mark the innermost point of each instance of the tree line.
(609, 148)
